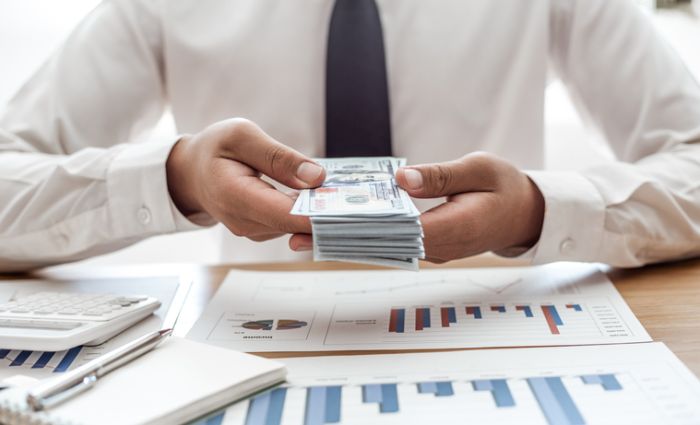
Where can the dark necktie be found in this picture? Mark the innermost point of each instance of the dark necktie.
(357, 100)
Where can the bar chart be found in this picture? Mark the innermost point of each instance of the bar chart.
(448, 315)
(55, 361)
(550, 386)
(553, 321)
(468, 308)
(39, 365)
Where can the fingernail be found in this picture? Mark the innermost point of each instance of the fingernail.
(303, 247)
(414, 179)
(309, 172)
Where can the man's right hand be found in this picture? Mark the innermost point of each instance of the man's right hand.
(217, 172)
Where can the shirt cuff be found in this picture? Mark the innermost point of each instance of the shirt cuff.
(574, 219)
(139, 202)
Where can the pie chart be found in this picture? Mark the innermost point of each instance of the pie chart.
(266, 325)
(286, 324)
(258, 325)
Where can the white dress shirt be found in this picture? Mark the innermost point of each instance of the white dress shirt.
(79, 176)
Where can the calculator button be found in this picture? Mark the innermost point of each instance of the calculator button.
(135, 299)
(30, 324)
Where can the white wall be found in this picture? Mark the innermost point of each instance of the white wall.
(31, 29)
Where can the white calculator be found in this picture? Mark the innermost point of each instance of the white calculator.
(55, 321)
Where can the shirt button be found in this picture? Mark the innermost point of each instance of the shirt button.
(143, 215)
(567, 246)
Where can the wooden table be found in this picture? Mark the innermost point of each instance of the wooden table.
(665, 298)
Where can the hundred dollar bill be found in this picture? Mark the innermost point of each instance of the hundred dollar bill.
(357, 187)
(369, 242)
(361, 215)
(399, 263)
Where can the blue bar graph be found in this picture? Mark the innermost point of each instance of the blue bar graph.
(390, 399)
(322, 405)
(4, 353)
(333, 396)
(474, 311)
(401, 317)
(440, 389)
(266, 409)
(608, 381)
(68, 359)
(498, 308)
(384, 394)
(21, 358)
(499, 391)
(315, 406)
(44, 359)
(575, 307)
(396, 320)
(525, 309)
(274, 412)
(257, 410)
(555, 401)
(215, 420)
(555, 314)
(426, 317)
(427, 387)
(444, 389)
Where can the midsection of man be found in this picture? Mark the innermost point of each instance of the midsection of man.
(463, 76)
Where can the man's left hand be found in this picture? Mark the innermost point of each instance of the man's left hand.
(490, 206)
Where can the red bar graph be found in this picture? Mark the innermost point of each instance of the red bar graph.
(419, 319)
(445, 317)
(551, 322)
(393, 320)
(448, 315)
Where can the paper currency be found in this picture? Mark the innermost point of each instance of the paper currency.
(361, 215)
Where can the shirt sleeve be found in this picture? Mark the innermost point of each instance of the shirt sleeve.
(73, 181)
(645, 206)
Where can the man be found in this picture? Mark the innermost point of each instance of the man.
(436, 81)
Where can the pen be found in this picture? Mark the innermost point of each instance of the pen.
(84, 377)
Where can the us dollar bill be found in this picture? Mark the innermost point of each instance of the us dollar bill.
(357, 187)
(361, 215)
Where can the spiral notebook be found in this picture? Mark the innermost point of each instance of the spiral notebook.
(177, 382)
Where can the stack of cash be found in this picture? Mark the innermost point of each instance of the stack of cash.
(360, 214)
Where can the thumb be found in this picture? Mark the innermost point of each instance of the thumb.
(472, 173)
(250, 145)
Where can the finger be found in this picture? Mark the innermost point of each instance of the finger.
(459, 229)
(301, 242)
(250, 229)
(474, 172)
(253, 200)
(270, 207)
(265, 237)
(441, 225)
(247, 143)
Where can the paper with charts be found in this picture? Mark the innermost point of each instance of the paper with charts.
(635, 384)
(34, 364)
(556, 304)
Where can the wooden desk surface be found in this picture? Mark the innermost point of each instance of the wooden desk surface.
(665, 298)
